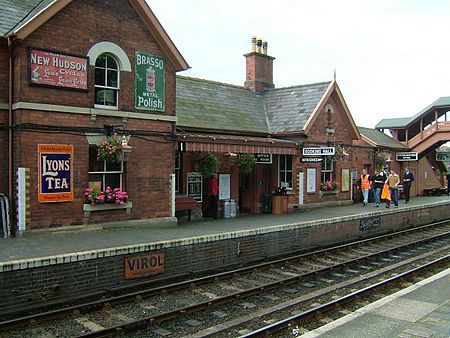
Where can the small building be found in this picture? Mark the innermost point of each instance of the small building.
(303, 140)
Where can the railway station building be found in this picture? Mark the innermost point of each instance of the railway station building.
(97, 127)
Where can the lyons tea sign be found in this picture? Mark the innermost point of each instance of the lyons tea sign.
(150, 82)
(55, 173)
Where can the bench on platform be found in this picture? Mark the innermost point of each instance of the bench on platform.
(185, 203)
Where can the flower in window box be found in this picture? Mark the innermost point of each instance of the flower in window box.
(328, 186)
(95, 196)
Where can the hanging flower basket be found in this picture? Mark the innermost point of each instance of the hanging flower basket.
(245, 162)
(113, 149)
(209, 164)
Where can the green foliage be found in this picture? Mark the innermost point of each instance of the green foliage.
(245, 162)
(209, 164)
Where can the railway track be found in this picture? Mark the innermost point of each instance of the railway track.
(228, 304)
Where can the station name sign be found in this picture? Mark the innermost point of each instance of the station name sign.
(55, 173)
(320, 151)
(406, 156)
(58, 70)
(150, 82)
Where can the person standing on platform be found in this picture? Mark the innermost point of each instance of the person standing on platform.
(408, 178)
(448, 182)
(393, 180)
(364, 183)
(213, 193)
(378, 180)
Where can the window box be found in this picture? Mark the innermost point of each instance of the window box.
(88, 208)
(328, 193)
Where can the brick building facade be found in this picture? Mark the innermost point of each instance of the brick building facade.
(107, 36)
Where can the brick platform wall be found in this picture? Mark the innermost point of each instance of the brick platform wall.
(68, 276)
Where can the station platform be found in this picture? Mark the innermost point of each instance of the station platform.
(45, 244)
(55, 264)
(421, 310)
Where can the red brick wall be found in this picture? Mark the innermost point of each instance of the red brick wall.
(74, 30)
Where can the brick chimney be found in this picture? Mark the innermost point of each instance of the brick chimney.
(259, 67)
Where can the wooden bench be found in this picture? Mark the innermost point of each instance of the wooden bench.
(183, 203)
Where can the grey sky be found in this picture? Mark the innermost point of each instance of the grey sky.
(391, 57)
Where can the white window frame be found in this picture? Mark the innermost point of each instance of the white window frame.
(116, 89)
(327, 171)
(285, 171)
(106, 172)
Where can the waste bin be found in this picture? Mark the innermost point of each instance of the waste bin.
(266, 203)
(229, 208)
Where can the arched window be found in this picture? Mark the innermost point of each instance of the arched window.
(106, 81)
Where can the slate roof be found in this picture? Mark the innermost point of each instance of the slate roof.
(380, 139)
(405, 121)
(212, 105)
(14, 12)
(289, 108)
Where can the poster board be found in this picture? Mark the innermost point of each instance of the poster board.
(345, 178)
(224, 186)
(311, 180)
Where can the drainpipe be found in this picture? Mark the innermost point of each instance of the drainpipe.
(10, 132)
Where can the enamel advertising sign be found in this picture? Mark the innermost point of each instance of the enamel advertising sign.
(150, 82)
(58, 70)
(55, 173)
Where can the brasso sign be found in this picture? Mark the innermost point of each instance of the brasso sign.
(55, 173)
(58, 70)
(150, 75)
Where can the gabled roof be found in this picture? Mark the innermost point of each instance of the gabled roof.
(288, 109)
(377, 138)
(203, 104)
(405, 121)
(20, 18)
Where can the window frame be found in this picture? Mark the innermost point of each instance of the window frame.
(106, 172)
(106, 87)
(327, 173)
(285, 171)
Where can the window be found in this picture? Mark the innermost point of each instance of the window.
(327, 169)
(104, 174)
(106, 81)
(285, 171)
(178, 161)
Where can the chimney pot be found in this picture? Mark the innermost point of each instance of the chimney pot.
(254, 44)
(264, 46)
(259, 44)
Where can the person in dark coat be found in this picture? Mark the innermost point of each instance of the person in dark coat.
(408, 178)
(378, 180)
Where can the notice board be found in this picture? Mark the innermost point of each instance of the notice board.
(224, 186)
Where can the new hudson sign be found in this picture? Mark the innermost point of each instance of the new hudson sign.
(143, 266)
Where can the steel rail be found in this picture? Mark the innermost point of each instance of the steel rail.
(275, 327)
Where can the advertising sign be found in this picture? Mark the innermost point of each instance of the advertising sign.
(321, 151)
(407, 156)
(58, 70)
(150, 75)
(55, 173)
(143, 266)
(224, 186)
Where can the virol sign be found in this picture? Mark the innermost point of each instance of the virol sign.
(143, 266)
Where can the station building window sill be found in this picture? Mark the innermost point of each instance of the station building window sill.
(88, 208)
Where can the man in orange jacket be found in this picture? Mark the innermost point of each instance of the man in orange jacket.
(364, 184)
